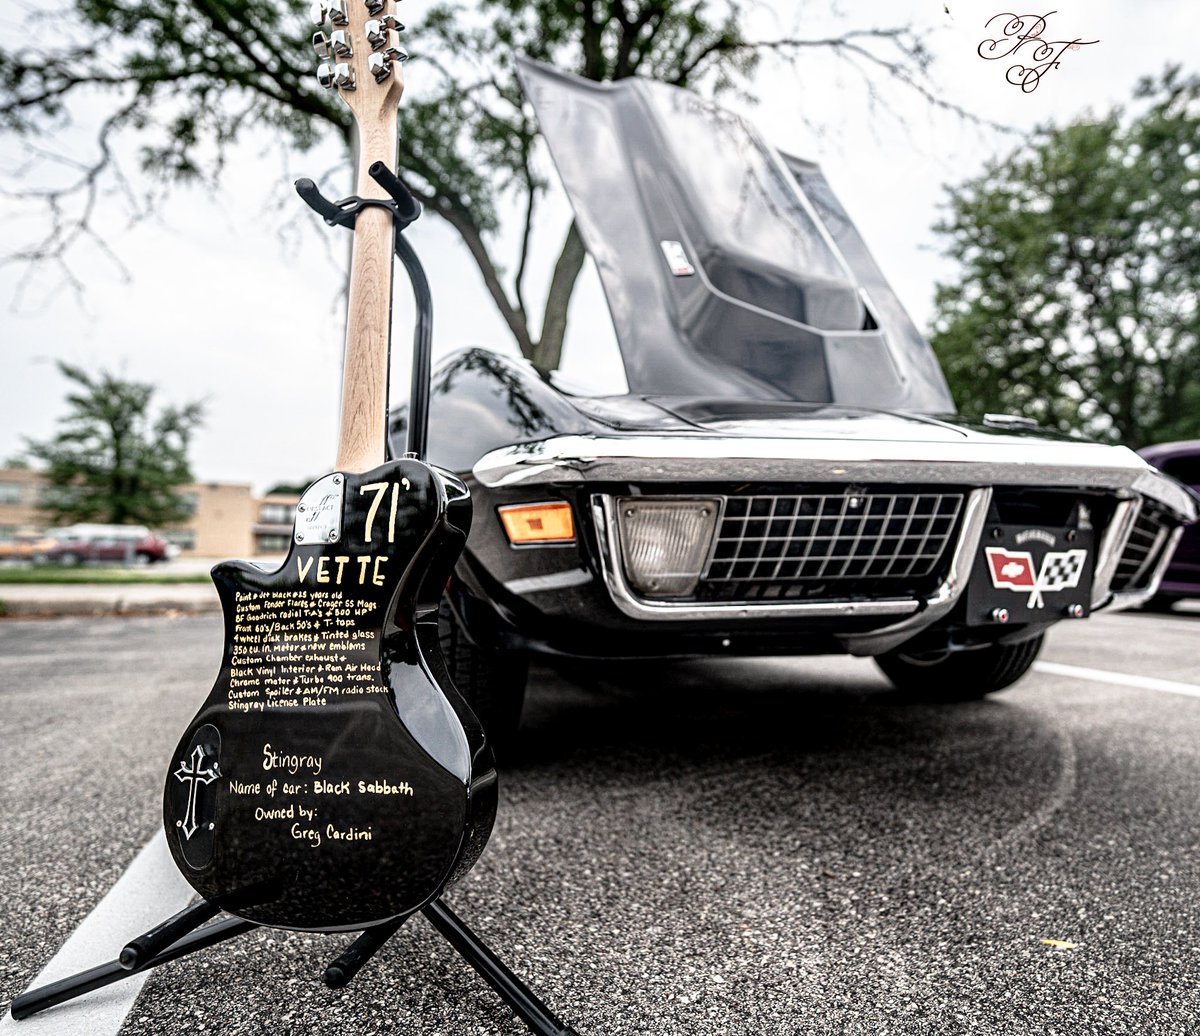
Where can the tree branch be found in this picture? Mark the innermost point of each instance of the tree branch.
(461, 221)
(531, 196)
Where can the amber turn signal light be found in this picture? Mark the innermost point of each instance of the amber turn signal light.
(538, 523)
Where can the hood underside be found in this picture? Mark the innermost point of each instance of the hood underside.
(730, 269)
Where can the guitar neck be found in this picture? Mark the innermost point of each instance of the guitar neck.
(362, 436)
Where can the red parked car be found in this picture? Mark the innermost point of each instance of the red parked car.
(1180, 460)
(88, 542)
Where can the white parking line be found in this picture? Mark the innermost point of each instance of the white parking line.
(151, 890)
(1148, 683)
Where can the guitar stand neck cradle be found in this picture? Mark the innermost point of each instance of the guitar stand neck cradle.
(198, 926)
(405, 210)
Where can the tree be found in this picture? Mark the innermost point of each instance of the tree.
(1078, 301)
(189, 81)
(113, 460)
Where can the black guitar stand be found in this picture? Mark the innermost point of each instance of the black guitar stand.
(405, 209)
(190, 930)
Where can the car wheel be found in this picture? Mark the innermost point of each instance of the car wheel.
(69, 559)
(950, 676)
(491, 681)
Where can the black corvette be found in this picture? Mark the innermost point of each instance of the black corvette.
(785, 474)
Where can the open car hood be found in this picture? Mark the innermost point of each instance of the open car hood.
(730, 269)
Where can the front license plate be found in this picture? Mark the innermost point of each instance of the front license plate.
(1034, 574)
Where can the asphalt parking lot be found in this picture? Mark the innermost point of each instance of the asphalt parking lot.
(769, 846)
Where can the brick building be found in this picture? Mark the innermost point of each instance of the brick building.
(227, 519)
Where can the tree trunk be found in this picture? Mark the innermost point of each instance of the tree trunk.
(547, 353)
(491, 279)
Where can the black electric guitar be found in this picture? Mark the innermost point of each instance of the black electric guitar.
(334, 779)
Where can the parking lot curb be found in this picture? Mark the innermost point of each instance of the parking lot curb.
(11, 608)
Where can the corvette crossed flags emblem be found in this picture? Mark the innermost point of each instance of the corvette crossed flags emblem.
(1014, 570)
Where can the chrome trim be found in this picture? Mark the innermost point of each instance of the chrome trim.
(945, 596)
(1150, 561)
(974, 516)
(798, 495)
(1135, 598)
(1112, 546)
(613, 570)
(1183, 501)
(963, 460)
(553, 581)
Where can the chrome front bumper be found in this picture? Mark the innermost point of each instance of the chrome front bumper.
(705, 458)
(650, 460)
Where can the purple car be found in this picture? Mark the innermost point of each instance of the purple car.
(1180, 460)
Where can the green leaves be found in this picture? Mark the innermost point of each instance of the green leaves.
(203, 71)
(113, 459)
(1079, 298)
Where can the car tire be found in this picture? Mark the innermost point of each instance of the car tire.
(491, 681)
(69, 559)
(959, 675)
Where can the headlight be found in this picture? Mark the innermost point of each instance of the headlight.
(665, 543)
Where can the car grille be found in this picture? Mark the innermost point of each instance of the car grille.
(1142, 550)
(832, 545)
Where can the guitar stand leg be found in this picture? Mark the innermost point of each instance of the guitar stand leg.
(36, 1000)
(170, 931)
(342, 970)
(493, 971)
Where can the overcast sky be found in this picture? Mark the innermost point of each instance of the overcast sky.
(233, 298)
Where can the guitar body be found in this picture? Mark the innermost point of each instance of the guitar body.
(333, 778)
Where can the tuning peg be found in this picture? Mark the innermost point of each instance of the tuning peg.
(339, 43)
(343, 75)
(325, 75)
(321, 45)
(329, 10)
(375, 6)
(379, 66)
(376, 30)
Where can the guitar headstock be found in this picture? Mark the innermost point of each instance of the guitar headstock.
(359, 46)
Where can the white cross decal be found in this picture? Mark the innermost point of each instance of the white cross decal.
(195, 776)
